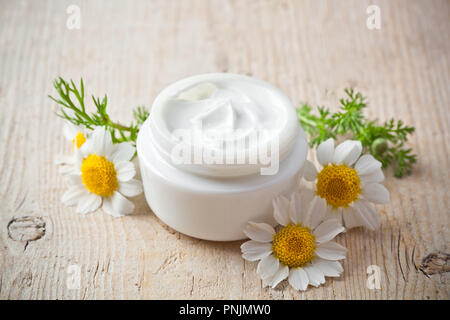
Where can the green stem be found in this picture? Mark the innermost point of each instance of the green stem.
(117, 125)
(309, 122)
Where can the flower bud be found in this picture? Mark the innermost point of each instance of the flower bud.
(379, 146)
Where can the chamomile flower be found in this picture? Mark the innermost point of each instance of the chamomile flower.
(102, 175)
(348, 183)
(301, 250)
(75, 134)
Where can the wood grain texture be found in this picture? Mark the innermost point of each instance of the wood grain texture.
(312, 50)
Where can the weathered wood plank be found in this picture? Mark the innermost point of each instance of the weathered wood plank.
(310, 49)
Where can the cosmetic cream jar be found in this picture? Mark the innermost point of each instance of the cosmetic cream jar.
(216, 150)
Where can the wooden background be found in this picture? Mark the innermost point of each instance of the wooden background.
(312, 50)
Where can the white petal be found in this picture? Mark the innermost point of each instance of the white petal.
(98, 140)
(102, 142)
(117, 205)
(325, 152)
(374, 177)
(281, 207)
(268, 266)
(352, 218)
(300, 203)
(125, 170)
(334, 213)
(368, 214)
(73, 195)
(74, 179)
(70, 131)
(298, 279)
(261, 232)
(347, 152)
(316, 212)
(367, 164)
(328, 268)
(339, 215)
(254, 250)
(376, 192)
(109, 148)
(123, 152)
(293, 205)
(63, 159)
(309, 171)
(281, 274)
(79, 160)
(89, 203)
(68, 170)
(85, 150)
(327, 230)
(331, 251)
(130, 188)
(315, 275)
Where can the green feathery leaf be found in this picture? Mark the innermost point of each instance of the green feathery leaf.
(73, 109)
(386, 142)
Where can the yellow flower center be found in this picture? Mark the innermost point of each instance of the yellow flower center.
(99, 175)
(294, 245)
(79, 140)
(338, 184)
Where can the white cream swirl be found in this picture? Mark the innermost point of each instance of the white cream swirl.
(229, 116)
